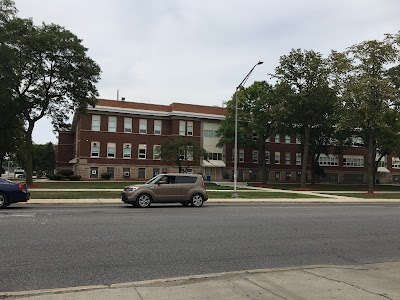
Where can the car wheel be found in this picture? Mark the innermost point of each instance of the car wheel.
(197, 200)
(143, 200)
(185, 203)
(3, 201)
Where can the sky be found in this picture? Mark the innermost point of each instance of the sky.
(198, 51)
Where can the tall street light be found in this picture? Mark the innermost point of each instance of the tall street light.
(235, 194)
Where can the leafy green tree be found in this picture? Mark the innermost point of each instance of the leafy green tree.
(180, 151)
(11, 125)
(51, 75)
(44, 158)
(256, 121)
(369, 93)
(307, 101)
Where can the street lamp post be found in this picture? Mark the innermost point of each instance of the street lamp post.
(235, 194)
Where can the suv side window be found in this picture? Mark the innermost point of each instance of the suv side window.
(185, 179)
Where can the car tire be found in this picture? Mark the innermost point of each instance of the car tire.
(143, 200)
(185, 203)
(3, 201)
(197, 200)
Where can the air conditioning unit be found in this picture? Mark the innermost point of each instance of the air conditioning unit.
(95, 144)
(127, 146)
(127, 174)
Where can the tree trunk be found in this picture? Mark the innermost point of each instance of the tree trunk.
(29, 160)
(313, 164)
(371, 163)
(305, 156)
(264, 165)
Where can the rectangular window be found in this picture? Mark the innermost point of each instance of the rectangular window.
(182, 127)
(241, 155)
(156, 152)
(189, 128)
(255, 136)
(143, 126)
(95, 151)
(298, 140)
(127, 151)
(142, 173)
(277, 138)
(127, 124)
(287, 139)
(142, 151)
(267, 157)
(288, 160)
(255, 156)
(182, 153)
(330, 160)
(298, 159)
(112, 124)
(94, 172)
(208, 133)
(277, 158)
(157, 127)
(278, 176)
(156, 171)
(111, 170)
(126, 173)
(111, 150)
(353, 161)
(96, 123)
(396, 162)
(189, 153)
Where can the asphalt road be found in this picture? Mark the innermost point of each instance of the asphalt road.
(63, 246)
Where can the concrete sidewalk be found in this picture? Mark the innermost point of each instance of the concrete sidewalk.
(368, 281)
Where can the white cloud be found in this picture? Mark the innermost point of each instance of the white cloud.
(160, 51)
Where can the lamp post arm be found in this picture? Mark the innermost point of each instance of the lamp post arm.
(248, 75)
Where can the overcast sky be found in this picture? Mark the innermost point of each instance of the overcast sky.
(198, 51)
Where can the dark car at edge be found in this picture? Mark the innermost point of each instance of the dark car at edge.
(11, 192)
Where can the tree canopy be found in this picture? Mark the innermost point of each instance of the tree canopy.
(307, 104)
(182, 152)
(47, 73)
(256, 120)
(370, 94)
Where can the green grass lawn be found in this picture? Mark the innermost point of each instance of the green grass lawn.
(111, 195)
(370, 196)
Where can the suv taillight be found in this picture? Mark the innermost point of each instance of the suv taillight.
(202, 182)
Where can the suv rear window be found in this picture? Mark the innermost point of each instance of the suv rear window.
(185, 179)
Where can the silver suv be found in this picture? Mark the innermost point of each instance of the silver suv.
(167, 188)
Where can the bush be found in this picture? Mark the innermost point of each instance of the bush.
(66, 172)
(56, 177)
(106, 175)
(75, 177)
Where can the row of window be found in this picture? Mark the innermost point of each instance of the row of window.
(277, 138)
(277, 157)
(185, 127)
(185, 154)
(127, 173)
(330, 160)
